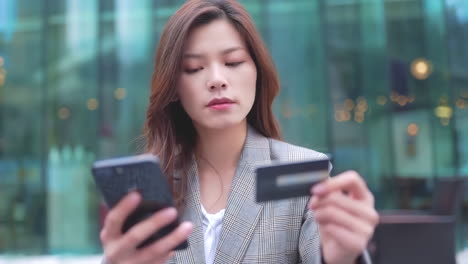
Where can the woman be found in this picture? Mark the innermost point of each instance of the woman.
(210, 122)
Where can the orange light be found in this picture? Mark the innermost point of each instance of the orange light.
(92, 104)
(362, 104)
(421, 68)
(402, 100)
(359, 117)
(346, 116)
(120, 93)
(342, 116)
(412, 129)
(64, 113)
(381, 100)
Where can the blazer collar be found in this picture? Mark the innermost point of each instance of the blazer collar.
(242, 212)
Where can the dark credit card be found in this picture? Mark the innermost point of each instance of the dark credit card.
(288, 180)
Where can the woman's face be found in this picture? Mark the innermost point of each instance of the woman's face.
(218, 80)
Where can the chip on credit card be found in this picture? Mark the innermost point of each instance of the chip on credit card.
(289, 180)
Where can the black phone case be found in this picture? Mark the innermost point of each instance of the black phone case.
(145, 176)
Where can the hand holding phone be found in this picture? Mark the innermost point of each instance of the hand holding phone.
(123, 247)
(144, 219)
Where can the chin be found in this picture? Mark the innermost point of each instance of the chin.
(221, 124)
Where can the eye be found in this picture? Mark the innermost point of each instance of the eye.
(190, 71)
(234, 64)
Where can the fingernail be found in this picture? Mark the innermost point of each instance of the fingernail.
(134, 196)
(171, 212)
(187, 225)
(318, 189)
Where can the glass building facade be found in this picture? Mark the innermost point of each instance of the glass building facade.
(381, 85)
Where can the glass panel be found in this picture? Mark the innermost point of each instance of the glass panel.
(376, 119)
(294, 38)
(438, 86)
(71, 81)
(456, 12)
(457, 42)
(22, 127)
(348, 100)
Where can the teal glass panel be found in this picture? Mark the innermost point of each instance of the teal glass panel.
(349, 103)
(22, 128)
(294, 38)
(376, 119)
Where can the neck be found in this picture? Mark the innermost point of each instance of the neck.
(221, 148)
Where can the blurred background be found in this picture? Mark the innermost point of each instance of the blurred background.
(381, 85)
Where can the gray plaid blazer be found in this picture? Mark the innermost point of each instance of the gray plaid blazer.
(272, 232)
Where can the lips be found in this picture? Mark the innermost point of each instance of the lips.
(220, 101)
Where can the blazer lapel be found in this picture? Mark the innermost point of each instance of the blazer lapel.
(195, 253)
(242, 212)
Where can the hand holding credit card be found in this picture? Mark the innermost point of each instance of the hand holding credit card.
(289, 180)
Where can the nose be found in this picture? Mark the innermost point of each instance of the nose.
(216, 79)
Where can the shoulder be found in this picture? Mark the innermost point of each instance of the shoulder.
(283, 151)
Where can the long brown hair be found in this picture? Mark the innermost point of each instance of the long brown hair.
(169, 131)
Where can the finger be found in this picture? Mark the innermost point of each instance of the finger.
(349, 241)
(357, 208)
(165, 245)
(349, 181)
(117, 215)
(337, 216)
(141, 231)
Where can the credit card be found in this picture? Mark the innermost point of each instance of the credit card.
(289, 180)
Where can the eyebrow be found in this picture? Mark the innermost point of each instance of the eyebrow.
(198, 56)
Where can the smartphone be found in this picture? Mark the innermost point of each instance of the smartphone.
(118, 176)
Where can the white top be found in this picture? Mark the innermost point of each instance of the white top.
(212, 224)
